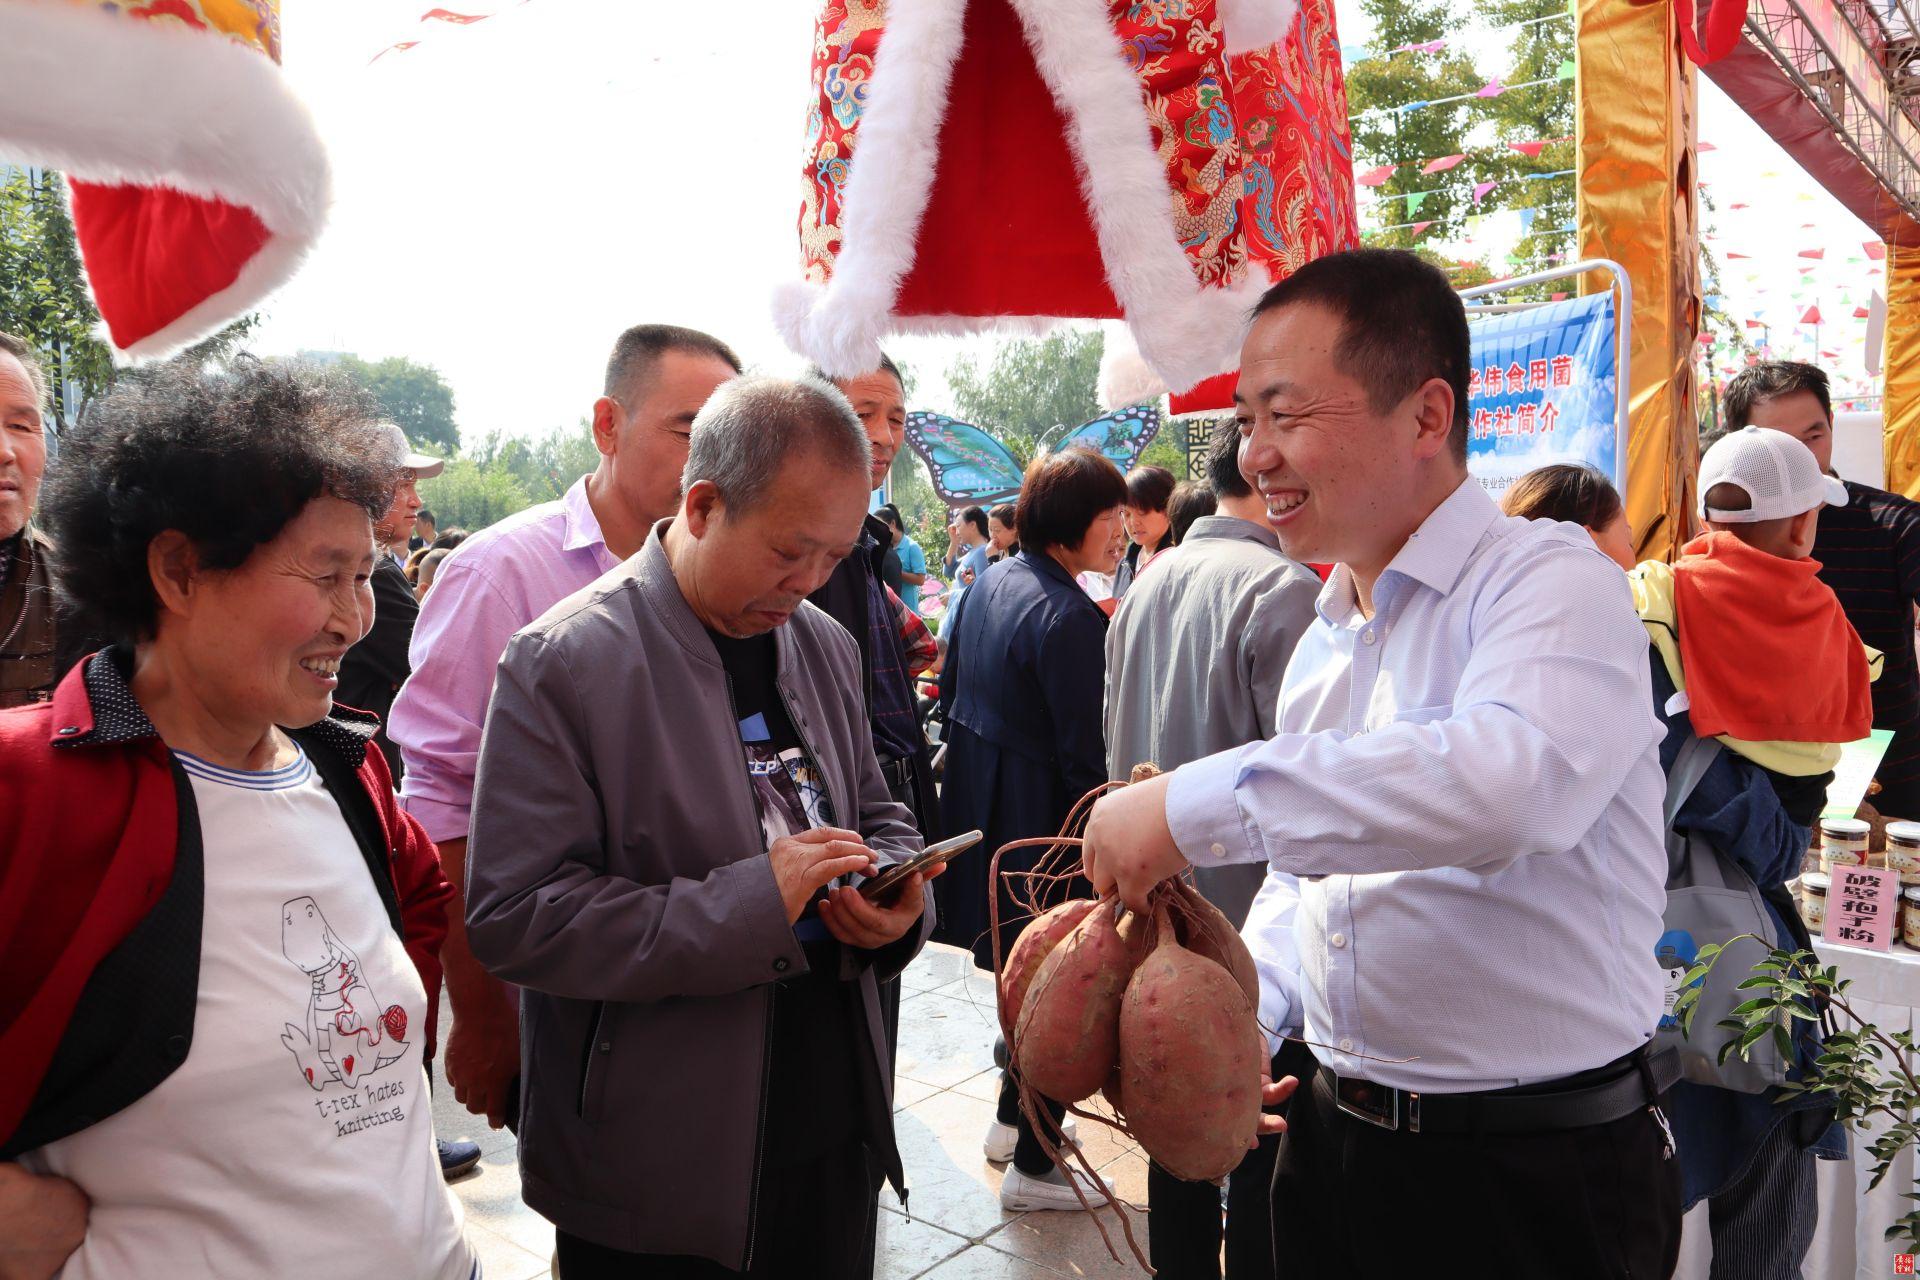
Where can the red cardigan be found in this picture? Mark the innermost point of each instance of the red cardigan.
(88, 833)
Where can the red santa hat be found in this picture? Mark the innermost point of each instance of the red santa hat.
(198, 180)
(987, 163)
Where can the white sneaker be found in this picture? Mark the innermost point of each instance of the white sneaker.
(1001, 1139)
(1020, 1193)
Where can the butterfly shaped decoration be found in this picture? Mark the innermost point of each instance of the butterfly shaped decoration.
(971, 468)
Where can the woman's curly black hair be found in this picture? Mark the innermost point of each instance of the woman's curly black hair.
(227, 458)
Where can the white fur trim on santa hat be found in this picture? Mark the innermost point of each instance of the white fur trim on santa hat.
(1254, 24)
(1124, 376)
(110, 99)
(1186, 333)
(839, 326)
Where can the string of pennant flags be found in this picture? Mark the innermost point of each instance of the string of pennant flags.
(1354, 55)
(450, 17)
(1525, 217)
(1491, 89)
(1379, 175)
(1481, 190)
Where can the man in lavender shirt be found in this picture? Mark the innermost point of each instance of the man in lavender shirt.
(501, 579)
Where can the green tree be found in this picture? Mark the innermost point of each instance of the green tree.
(1380, 86)
(544, 467)
(43, 297)
(1031, 387)
(414, 395)
(470, 496)
(1539, 45)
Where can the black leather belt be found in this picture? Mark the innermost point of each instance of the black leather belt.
(897, 773)
(1598, 1097)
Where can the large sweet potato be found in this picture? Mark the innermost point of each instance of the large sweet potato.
(1209, 933)
(1191, 1055)
(1042, 934)
(1068, 1036)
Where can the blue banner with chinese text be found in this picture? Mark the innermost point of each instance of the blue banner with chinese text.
(1542, 391)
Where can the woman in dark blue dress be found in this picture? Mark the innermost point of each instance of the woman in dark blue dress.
(1024, 682)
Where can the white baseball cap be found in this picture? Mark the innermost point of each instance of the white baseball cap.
(422, 465)
(1779, 475)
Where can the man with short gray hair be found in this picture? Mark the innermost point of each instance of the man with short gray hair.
(677, 786)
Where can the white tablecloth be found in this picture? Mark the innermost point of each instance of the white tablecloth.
(1849, 1242)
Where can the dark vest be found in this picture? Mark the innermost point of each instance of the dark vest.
(27, 664)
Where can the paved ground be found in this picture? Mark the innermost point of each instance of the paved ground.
(944, 1097)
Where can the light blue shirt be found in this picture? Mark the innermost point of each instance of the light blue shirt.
(976, 560)
(1468, 785)
(912, 560)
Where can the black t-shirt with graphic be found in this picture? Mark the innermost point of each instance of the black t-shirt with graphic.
(820, 1057)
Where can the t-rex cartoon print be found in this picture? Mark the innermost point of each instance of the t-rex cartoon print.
(347, 1034)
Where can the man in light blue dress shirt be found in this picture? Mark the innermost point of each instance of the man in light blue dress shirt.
(1465, 779)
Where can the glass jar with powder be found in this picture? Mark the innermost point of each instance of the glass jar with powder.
(1903, 851)
(1843, 843)
(1813, 900)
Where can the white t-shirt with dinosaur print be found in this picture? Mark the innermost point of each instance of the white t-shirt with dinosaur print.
(296, 1139)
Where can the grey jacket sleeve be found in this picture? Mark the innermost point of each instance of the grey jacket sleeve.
(1280, 615)
(542, 913)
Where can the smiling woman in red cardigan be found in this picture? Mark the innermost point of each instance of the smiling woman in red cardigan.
(219, 931)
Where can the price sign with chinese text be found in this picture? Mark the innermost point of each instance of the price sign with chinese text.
(1862, 903)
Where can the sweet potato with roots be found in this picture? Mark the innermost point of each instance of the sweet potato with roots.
(1207, 932)
(1036, 942)
(1191, 1054)
(1068, 1036)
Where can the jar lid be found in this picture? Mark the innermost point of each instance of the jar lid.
(1816, 880)
(1908, 831)
(1844, 827)
(1911, 893)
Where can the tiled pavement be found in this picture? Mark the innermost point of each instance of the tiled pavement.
(944, 1096)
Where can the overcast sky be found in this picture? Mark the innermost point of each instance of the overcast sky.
(510, 195)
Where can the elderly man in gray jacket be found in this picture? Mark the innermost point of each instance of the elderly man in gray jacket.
(676, 791)
(1194, 660)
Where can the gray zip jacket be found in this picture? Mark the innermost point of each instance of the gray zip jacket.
(617, 874)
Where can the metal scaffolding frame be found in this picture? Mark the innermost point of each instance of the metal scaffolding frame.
(1871, 100)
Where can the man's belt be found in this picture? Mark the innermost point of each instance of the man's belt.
(1626, 1086)
(897, 773)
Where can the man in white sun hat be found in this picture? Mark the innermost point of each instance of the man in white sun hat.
(374, 669)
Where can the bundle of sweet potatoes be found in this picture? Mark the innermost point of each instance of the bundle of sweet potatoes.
(1157, 1012)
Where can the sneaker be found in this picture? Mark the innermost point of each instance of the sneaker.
(1023, 1193)
(1001, 1139)
(457, 1157)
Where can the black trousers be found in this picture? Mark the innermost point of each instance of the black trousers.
(1357, 1201)
(1183, 1218)
(816, 1221)
(1029, 1157)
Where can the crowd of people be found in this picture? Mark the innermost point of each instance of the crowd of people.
(283, 757)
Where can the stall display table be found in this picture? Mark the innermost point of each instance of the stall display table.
(1850, 1241)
